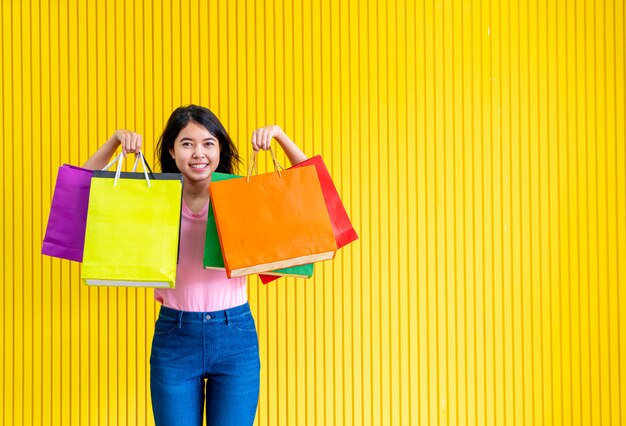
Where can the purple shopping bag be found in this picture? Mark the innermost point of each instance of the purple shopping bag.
(65, 234)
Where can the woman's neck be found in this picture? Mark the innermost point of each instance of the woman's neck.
(196, 195)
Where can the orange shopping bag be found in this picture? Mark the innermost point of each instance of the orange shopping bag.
(272, 221)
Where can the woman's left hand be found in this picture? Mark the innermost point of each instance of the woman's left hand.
(262, 137)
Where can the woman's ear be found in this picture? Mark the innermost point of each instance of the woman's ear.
(172, 154)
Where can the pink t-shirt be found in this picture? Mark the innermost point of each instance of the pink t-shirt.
(198, 289)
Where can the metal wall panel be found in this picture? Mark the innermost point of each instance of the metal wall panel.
(479, 147)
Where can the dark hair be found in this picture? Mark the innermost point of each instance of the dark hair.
(229, 158)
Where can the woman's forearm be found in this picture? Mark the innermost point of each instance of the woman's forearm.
(103, 155)
(293, 152)
(130, 141)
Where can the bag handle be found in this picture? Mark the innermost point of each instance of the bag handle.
(120, 159)
(115, 160)
(253, 164)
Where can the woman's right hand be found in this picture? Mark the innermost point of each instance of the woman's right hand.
(130, 141)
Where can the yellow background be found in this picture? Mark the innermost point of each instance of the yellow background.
(479, 147)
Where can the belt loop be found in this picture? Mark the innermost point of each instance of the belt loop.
(180, 319)
(227, 317)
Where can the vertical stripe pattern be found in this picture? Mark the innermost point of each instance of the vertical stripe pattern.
(479, 148)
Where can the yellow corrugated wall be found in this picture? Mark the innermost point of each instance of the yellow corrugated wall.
(479, 147)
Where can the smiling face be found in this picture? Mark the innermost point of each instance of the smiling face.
(196, 152)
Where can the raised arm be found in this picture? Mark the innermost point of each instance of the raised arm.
(130, 141)
(262, 137)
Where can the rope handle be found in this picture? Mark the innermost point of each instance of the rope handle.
(253, 164)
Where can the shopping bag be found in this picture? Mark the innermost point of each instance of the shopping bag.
(342, 228)
(272, 221)
(65, 232)
(213, 258)
(133, 228)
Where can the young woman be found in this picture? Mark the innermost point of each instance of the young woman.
(205, 342)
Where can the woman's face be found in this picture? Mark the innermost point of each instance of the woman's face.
(196, 152)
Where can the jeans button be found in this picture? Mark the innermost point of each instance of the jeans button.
(208, 317)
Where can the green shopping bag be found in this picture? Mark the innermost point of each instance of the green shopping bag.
(213, 258)
(133, 228)
(301, 271)
(212, 251)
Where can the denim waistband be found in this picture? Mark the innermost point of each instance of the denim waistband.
(184, 316)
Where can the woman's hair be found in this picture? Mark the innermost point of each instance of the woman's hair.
(229, 158)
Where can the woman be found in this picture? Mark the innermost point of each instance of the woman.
(205, 330)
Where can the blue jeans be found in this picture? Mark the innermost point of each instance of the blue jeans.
(189, 347)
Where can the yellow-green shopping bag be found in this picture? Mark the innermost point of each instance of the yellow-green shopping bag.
(133, 228)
